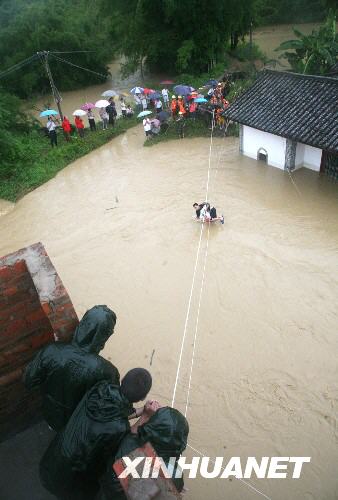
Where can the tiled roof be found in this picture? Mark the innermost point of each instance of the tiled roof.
(303, 108)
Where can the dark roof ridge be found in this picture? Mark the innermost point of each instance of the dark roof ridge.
(298, 75)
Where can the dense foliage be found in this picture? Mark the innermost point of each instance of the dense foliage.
(174, 36)
(179, 35)
(313, 54)
(29, 26)
(14, 125)
(290, 11)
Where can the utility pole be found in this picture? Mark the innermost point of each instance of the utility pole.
(57, 97)
(251, 23)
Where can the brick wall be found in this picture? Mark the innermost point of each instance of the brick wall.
(33, 306)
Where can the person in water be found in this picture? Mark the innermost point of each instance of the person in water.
(207, 213)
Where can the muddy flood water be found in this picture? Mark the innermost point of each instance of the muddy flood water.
(117, 225)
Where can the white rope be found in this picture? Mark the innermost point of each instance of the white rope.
(199, 305)
(239, 478)
(194, 274)
(293, 182)
(187, 318)
(196, 327)
(198, 315)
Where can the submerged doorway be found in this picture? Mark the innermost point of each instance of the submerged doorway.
(262, 155)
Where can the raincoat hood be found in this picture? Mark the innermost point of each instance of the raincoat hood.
(167, 430)
(94, 329)
(106, 403)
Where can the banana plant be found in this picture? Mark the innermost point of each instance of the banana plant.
(316, 53)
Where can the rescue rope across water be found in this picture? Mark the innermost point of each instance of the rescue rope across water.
(199, 307)
(194, 273)
(238, 478)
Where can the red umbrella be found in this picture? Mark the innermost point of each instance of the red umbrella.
(88, 105)
(148, 91)
(167, 82)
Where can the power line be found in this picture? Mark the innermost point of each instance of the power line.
(77, 66)
(56, 94)
(70, 51)
(18, 66)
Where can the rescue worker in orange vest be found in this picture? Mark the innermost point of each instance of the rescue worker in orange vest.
(181, 105)
(174, 106)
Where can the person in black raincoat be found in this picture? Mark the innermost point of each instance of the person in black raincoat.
(66, 371)
(167, 431)
(111, 110)
(77, 456)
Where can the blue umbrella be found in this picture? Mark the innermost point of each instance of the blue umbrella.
(211, 83)
(154, 95)
(137, 90)
(163, 116)
(144, 113)
(200, 99)
(48, 112)
(183, 89)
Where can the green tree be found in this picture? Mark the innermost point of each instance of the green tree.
(27, 27)
(315, 53)
(13, 125)
(178, 35)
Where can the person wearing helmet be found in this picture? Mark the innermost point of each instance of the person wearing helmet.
(180, 123)
(174, 106)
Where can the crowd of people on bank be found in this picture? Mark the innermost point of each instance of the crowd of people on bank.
(167, 107)
(107, 115)
(90, 410)
(187, 106)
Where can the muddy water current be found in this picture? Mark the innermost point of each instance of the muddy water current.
(117, 225)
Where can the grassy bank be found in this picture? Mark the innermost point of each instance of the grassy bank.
(193, 128)
(39, 162)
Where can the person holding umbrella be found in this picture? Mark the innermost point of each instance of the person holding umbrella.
(111, 110)
(79, 126)
(91, 120)
(104, 117)
(147, 127)
(51, 127)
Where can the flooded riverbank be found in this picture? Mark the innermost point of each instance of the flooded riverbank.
(268, 38)
(117, 226)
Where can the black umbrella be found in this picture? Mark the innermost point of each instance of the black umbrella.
(163, 116)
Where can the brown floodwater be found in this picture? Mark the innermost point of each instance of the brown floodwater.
(117, 225)
(268, 38)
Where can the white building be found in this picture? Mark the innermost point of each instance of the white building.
(290, 121)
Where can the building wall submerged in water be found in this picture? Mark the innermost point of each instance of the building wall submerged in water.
(290, 121)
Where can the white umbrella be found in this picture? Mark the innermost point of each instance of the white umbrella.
(102, 103)
(79, 112)
(109, 93)
(137, 90)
